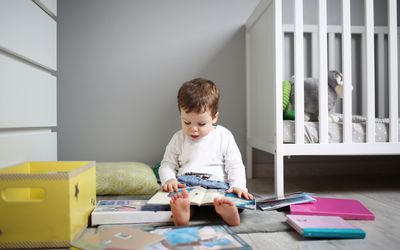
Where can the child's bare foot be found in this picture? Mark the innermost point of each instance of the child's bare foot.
(180, 207)
(227, 210)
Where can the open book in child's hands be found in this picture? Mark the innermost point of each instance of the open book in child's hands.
(201, 196)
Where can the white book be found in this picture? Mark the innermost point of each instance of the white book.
(202, 197)
(129, 211)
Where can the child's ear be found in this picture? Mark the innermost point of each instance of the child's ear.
(215, 118)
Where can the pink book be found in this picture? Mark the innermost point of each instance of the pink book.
(348, 209)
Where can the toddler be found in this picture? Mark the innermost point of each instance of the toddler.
(202, 153)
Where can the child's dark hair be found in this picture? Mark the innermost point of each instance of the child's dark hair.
(198, 95)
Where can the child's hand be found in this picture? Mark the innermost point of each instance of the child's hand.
(172, 185)
(240, 193)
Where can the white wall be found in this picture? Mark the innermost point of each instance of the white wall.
(121, 63)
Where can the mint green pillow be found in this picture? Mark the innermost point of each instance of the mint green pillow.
(125, 178)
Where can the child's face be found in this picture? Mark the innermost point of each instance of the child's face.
(197, 125)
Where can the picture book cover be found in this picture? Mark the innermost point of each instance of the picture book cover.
(205, 236)
(201, 196)
(272, 203)
(324, 227)
(129, 211)
(117, 237)
(348, 209)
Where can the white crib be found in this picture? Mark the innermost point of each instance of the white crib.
(267, 68)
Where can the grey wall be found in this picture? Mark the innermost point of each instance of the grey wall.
(120, 64)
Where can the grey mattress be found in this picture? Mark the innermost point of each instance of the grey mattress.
(335, 132)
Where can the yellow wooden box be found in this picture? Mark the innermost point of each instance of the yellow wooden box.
(45, 204)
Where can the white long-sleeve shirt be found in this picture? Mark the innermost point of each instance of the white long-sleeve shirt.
(216, 154)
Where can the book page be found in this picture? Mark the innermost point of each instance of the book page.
(160, 198)
(211, 194)
(196, 195)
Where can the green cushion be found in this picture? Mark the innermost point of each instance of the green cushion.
(125, 178)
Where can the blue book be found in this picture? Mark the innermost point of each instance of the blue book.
(324, 227)
(203, 236)
(289, 199)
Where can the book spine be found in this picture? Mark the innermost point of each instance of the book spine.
(350, 233)
(344, 216)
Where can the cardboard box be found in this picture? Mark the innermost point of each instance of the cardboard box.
(45, 204)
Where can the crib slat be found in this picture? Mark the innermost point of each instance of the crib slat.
(346, 68)
(323, 76)
(299, 71)
(363, 75)
(332, 51)
(370, 72)
(380, 75)
(314, 54)
(393, 75)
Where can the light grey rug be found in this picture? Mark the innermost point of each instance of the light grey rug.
(262, 222)
(251, 222)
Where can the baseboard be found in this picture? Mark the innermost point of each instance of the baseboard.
(328, 165)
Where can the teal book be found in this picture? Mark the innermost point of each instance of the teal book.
(316, 226)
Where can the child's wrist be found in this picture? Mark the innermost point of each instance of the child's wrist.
(171, 180)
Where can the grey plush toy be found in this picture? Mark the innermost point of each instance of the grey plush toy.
(335, 91)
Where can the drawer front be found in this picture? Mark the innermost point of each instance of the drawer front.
(20, 147)
(28, 96)
(29, 32)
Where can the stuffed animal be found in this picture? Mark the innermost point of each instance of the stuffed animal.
(288, 112)
(335, 91)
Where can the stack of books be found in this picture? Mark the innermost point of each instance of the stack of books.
(129, 211)
(327, 218)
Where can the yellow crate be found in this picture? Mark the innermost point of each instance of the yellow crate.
(45, 204)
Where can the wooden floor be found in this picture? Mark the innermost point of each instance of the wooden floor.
(379, 193)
